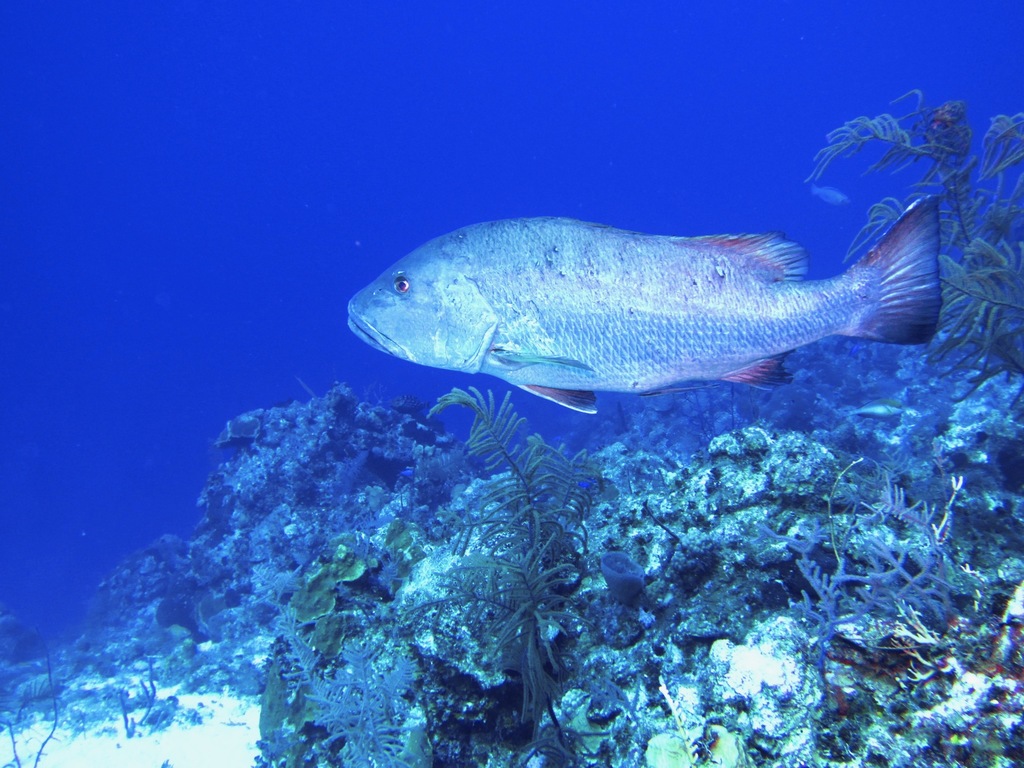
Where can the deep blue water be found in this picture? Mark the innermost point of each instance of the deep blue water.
(192, 191)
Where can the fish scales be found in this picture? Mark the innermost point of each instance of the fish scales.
(683, 303)
(565, 308)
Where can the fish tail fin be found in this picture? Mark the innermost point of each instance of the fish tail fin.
(902, 272)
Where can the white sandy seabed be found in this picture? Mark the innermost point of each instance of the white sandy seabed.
(225, 737)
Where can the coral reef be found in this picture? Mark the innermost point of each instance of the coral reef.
(395, 596)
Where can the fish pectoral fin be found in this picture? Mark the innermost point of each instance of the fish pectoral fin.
(578, 399)
(522, 359)
(768, 372)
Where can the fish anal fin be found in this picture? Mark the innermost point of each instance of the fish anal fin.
(580, 400)
(768, 372)
(778, 257)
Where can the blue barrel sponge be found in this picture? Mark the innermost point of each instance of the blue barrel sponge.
(624, 577)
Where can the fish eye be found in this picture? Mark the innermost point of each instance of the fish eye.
(402, 284)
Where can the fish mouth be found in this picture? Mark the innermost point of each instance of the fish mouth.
(375, 338)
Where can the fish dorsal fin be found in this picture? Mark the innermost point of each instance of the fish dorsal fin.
(578, 399)
(779, 258)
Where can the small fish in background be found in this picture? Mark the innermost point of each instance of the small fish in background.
(830, 195)
(880, 409)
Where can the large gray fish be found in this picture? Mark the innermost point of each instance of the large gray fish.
(563, 308)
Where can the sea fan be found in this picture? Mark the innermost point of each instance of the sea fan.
(356, 704)
(522, 549)
(982, 318)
